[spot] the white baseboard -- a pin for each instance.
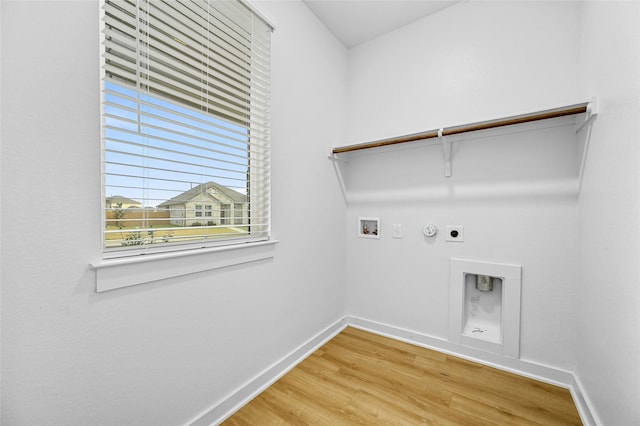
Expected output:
(245, 393)
(518, 366)
(585, 408)
(563, 378)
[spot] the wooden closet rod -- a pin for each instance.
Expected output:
(483, 125)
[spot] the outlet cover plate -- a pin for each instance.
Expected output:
(460, 233)
(397, 230)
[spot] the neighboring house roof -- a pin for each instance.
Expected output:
(204, 188)
(116, 199)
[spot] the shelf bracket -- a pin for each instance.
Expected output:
(446, 148)
(336, 166)
(593, 109)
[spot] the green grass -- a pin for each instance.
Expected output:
(160, 233)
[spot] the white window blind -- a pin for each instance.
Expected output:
(185, 119)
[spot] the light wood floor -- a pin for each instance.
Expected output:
(363, 378)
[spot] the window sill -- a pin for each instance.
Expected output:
(125, 272)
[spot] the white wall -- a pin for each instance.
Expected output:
(159, 353)
(608, 350)
(513, 192)
(470, 62)
(163, 353)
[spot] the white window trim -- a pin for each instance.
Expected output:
(179, 249)
(122, 272)
(117, 273)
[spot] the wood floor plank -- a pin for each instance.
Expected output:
(363, 378)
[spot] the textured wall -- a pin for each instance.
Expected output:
(608, 350)
(513, 190)
(162, 353)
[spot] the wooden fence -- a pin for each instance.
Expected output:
(132, 218)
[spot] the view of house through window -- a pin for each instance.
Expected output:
(163, 188)
(185, 124)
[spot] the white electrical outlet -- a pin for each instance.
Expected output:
(455, 233)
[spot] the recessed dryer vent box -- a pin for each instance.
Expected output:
(369, 227)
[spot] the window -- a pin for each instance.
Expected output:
(185, 120)
(237, 214)
(224, 213)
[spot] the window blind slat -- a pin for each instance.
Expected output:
(207, 68)
(210, 99)
(215, 128)
(144, 170)
(172, 147)
(174, 162)
(175, 155)
(178, 39)
(236, 49)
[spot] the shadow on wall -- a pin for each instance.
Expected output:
(533, 160)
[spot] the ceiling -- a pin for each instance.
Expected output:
(356, 21)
